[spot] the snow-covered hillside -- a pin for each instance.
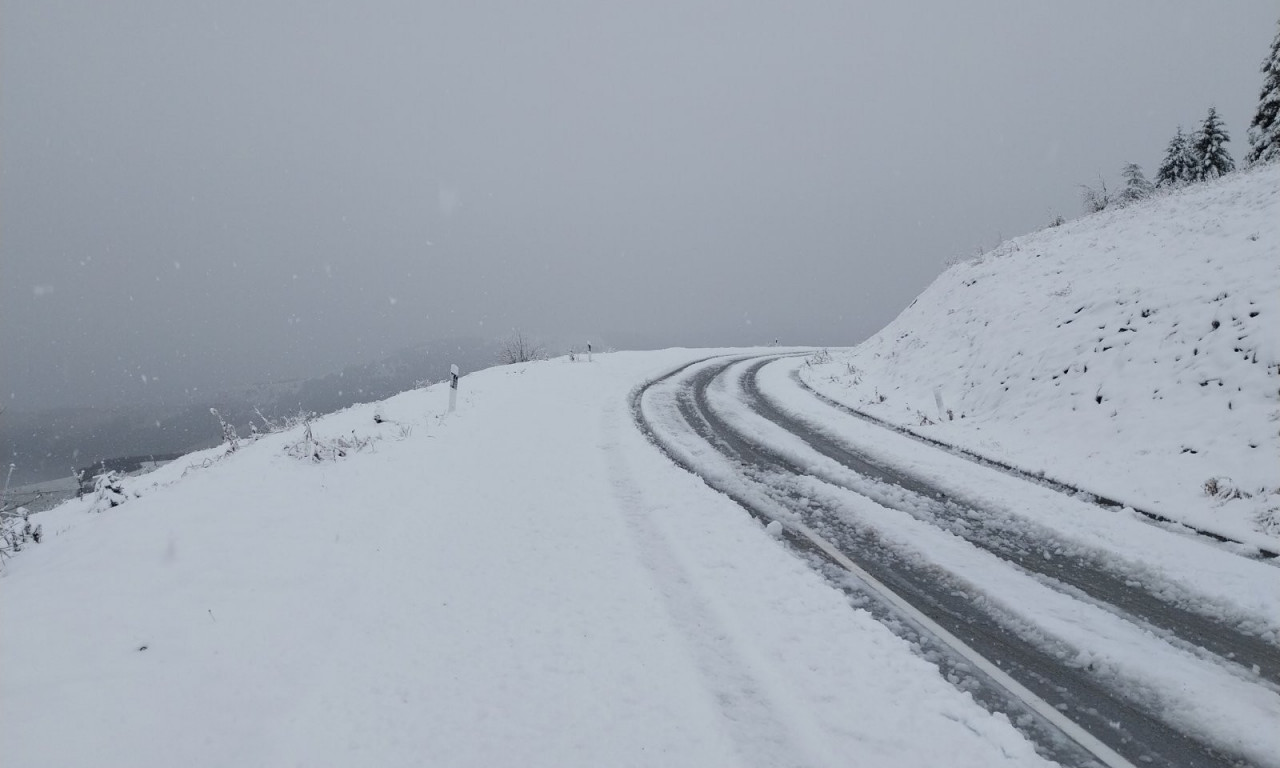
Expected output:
(1134, 353)
(529, 579)
(526, 580)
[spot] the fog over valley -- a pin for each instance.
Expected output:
(199, 198)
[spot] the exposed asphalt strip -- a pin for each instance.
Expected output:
(1089, 725)
(1049, 739)
(1048, 482)
(1090, 575)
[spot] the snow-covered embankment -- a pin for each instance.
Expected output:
(1134, 353)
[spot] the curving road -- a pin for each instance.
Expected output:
(713, 419)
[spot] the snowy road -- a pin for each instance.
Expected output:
(524, 577)
(1099, 619)
(528, 576)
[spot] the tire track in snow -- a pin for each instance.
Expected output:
(1049, 739)
(1064, 488)
(1134, 733)
(1106, 587)
(758, 732)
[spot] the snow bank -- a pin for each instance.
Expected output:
(1134, 353)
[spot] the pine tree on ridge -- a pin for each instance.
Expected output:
(1208, 148)
(1264, 130)
(1177, 165)
(1136, 185)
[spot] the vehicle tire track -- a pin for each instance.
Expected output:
(1091, 576)
(1131, 732)
(1061, 487)
(758, 731)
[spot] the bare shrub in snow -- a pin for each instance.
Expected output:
(1224, 488)
(308, 446)
(403, 431)
(1269, 521)
(287, 423)
(818, 358)
(1095, 198)
(270, 425)
(519, 348)
(228, 431)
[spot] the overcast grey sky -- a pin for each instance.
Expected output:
(199, 193)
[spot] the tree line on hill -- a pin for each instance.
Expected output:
(1202, 155)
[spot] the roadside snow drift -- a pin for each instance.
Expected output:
(1134, 353)
(525, 581)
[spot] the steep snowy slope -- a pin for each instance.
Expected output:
(1134, 353)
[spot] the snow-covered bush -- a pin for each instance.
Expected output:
(1136, 185)
(16, 530)
(820, 357)
(1224, 488)
(1269, 520)
(108, 491)
(308, 446)
(1096, 198)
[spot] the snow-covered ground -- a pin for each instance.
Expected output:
(529, 579)
(1192, 570)
(524, 580)
(1134, 353)
(1194, 691)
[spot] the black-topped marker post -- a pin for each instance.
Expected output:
(453, 387)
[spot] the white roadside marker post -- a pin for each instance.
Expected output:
(937, 398)
(453, 387)
(588, 351)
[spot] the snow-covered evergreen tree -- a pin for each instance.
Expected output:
(1209, 150)
(108, 490)
(1264, 131)
(1136, 185)
(1177, 165)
